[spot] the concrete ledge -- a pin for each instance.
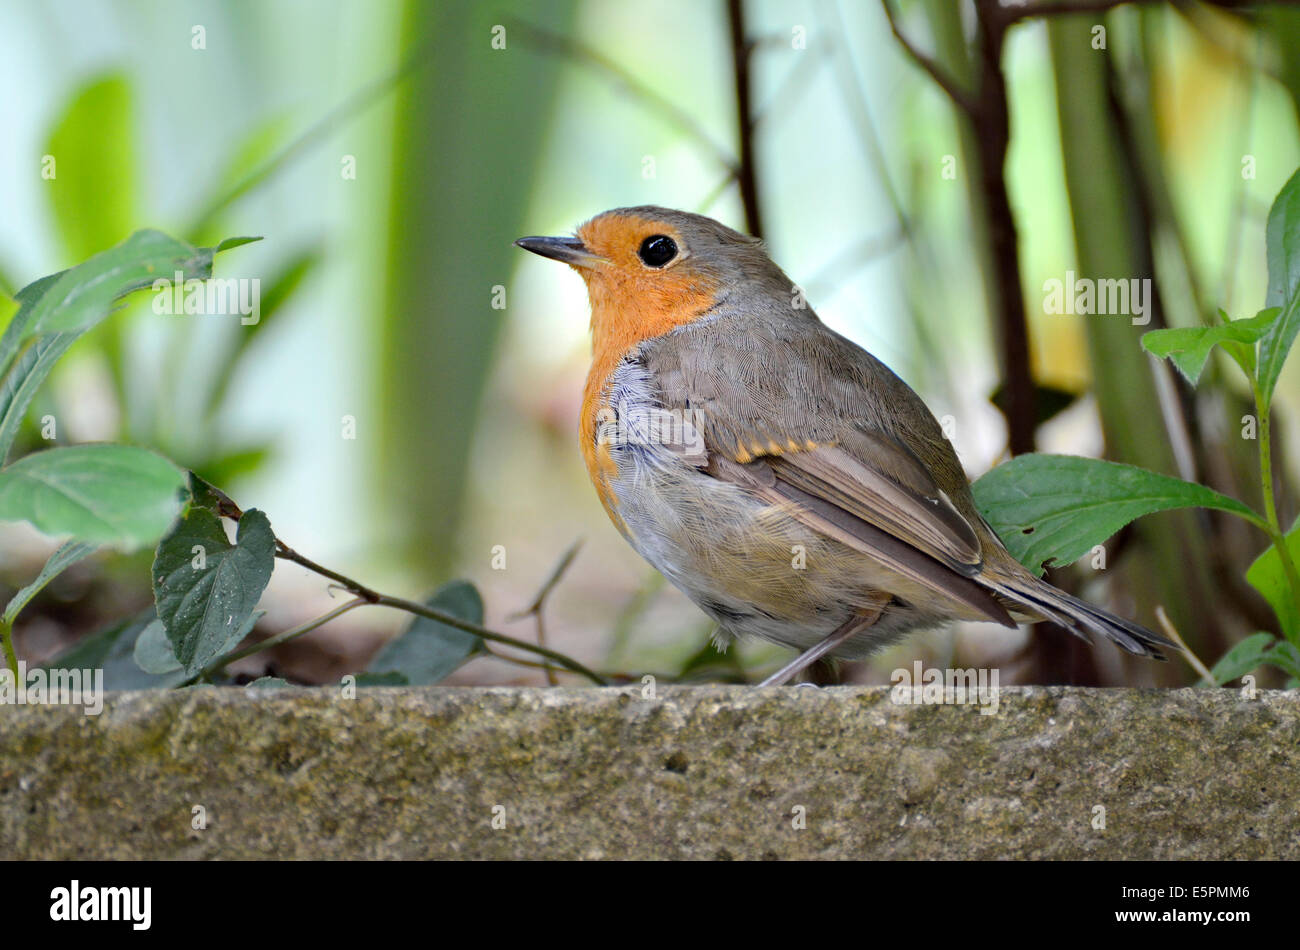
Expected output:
(714, 772)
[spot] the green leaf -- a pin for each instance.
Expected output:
(153, 652)
(68, 554)
(206, 588)
(19, 388)
(270, 682)
(1053, 509)
(231, 465)
(1285, 657)
(1189, 347)
(1241, 659)
(92, 193)
(382, 679)
(112, 650)
(429, 651)
(1283, 243)
(83, 295)
(100, 494)
(204, 494)
(16, 329)
(55, 310)
(1267, 576)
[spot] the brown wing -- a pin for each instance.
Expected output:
(766, 478)
(797, 413)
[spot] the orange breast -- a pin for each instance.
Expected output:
(627, 310)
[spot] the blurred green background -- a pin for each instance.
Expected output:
(389, 152)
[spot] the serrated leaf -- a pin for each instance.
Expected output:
(1189, 347)
(1268, 577)
(1242, 658)
(1053, 509)
(100, 494)
(429, 651)
(67, 555)
(1282, 238)
(204, 597)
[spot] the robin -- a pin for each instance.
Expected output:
(778, 474)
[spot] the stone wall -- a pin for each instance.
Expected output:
(713, 772)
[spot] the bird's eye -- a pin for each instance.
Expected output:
(657, 250)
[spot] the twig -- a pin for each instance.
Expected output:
(715, 193)
(7, 644)
(451, 620)
(1014, 13)
(794, 83)
(535, 608)
(354, 104)
(740, 56)
(1171, 631)
(370, 596)
(283, 637)
(964, 100)
(287, 553)
(581, 53)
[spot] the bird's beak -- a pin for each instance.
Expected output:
(567, 250)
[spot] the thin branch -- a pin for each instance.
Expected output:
(539, 602)
(1015, 12)
(794, 83)
(581, 53)
(1171, 631)
(963, 100)
(316, 133)
(287, 553)
(283, 637)
(715, 193)
(452, 620)
(10, 658)
(740, 67)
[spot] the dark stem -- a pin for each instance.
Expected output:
(993, 135)
(740, 62)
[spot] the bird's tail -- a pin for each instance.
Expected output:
(1079, 616)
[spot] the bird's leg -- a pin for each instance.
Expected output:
(860, 620)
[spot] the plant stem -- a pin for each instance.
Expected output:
(370, 596)
(1270, 505)
(451, 620)
(7, 642)
(286, 635)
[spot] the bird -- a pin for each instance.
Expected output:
(782, 477)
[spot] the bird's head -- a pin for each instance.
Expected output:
(649, 269)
